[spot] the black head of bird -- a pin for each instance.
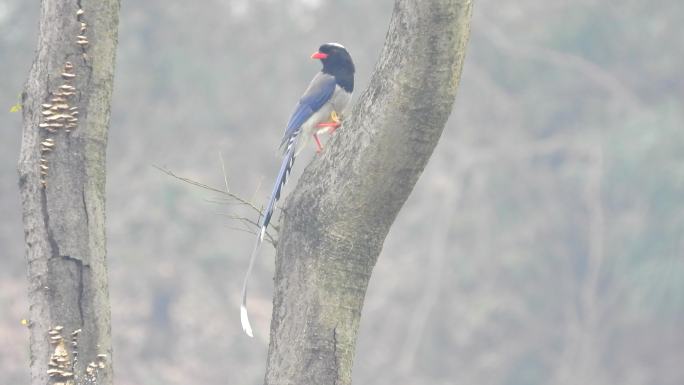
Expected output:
(338, 63)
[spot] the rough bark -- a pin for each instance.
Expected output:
(62, 183)
(336, 220)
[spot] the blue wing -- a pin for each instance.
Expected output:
(318, 93)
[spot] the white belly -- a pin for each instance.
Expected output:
(340, 103)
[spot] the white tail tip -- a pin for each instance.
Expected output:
(244, 320)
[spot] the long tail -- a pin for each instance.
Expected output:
(285, 168)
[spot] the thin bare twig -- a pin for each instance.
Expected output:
(230, 196)
(269, 237)
(272, 241)
(257, 188)
(242, 230)
(207, 187)
(223, 202)
(223, 169)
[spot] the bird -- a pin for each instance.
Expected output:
(321, 109)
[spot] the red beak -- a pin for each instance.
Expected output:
(319, 55)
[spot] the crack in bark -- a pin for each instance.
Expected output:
(80, 266)
(335, 361)
(81, 288)
(85, 208)
(54, 247)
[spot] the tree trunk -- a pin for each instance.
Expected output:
(336, 220)
(62, 181)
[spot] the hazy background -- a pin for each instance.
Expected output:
(544, 243)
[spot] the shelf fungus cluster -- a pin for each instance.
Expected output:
(57, 114)
(81, 38)
(93, 367)
(62, 363)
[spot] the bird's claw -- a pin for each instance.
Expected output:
(334, 117)
(334, 122)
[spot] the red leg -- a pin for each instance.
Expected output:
(334, 126)
(328, 124)
(334, 122)
(319, 148)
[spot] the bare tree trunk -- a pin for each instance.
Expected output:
(336, 220)
(62, 181)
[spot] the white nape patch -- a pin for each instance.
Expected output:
(336, 45)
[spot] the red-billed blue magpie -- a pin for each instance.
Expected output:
(319, 110)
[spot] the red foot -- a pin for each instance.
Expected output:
(319, 148)
(334, 126)
(328, 124)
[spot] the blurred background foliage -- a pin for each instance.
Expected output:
(544, 243)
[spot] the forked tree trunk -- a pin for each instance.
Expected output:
(337, 218)
(62, 181)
